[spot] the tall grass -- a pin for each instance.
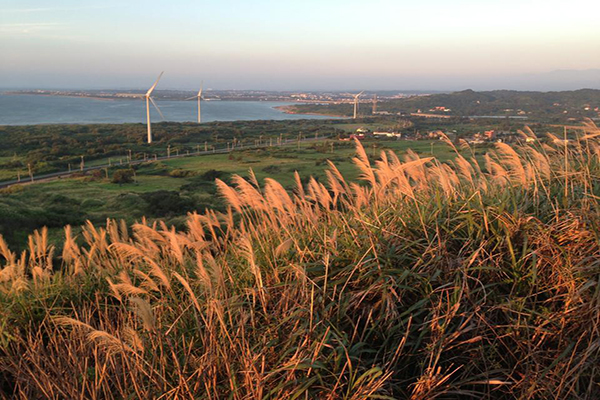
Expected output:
(426, 280)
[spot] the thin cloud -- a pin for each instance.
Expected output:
(31, 24)
(50, 9)
(30, 27)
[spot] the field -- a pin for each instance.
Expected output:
(468, 276)
(95, 198)
(51, 148)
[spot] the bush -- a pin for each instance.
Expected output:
(181, 173)
(98, 174)
(165, 203)
(213, 174)
(122, 176)
(272, 169)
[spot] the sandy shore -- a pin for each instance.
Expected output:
(288, 109)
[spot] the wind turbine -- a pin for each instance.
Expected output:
(356, 104)
(199, 97)
(151, 100)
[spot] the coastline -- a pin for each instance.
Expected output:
(287, 109)
(69, 96)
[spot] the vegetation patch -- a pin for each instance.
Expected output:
(431, 279)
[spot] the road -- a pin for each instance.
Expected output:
(57, 175)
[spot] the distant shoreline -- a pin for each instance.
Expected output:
(139, 96)
(70, 96)
(287, 109)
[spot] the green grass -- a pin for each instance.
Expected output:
(98, 199)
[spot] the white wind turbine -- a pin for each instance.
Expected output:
(199, 97)
(356, 103)
(148, 101)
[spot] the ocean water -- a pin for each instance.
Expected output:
(35, 109)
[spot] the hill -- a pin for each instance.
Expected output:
(428, 280)
(547, 106)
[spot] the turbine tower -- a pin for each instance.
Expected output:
(151, 100)
(356, 104)
(374, 104)
(199, 97)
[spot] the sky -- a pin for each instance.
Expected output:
(301, 45)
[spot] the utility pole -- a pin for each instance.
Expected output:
(82, 164)
(169, 151)
(18, 176)
(374, 103)
(69, 167)
(30, 173)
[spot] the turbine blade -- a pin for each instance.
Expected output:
(191, 98)
(149, 92)
(157, 109)
(200, 92)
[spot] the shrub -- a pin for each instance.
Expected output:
(272, 169)
(213, 174)
(181, 173)
(122, 176)
(166, 203)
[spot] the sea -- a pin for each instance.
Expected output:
(22, 109)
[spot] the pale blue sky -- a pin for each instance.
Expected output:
(377, 44)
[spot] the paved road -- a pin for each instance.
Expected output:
(55, 175)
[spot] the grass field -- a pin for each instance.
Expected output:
(471, 279)
(96, 199)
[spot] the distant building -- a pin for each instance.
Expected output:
(440, 108)
(489, 135)
(388, 134)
